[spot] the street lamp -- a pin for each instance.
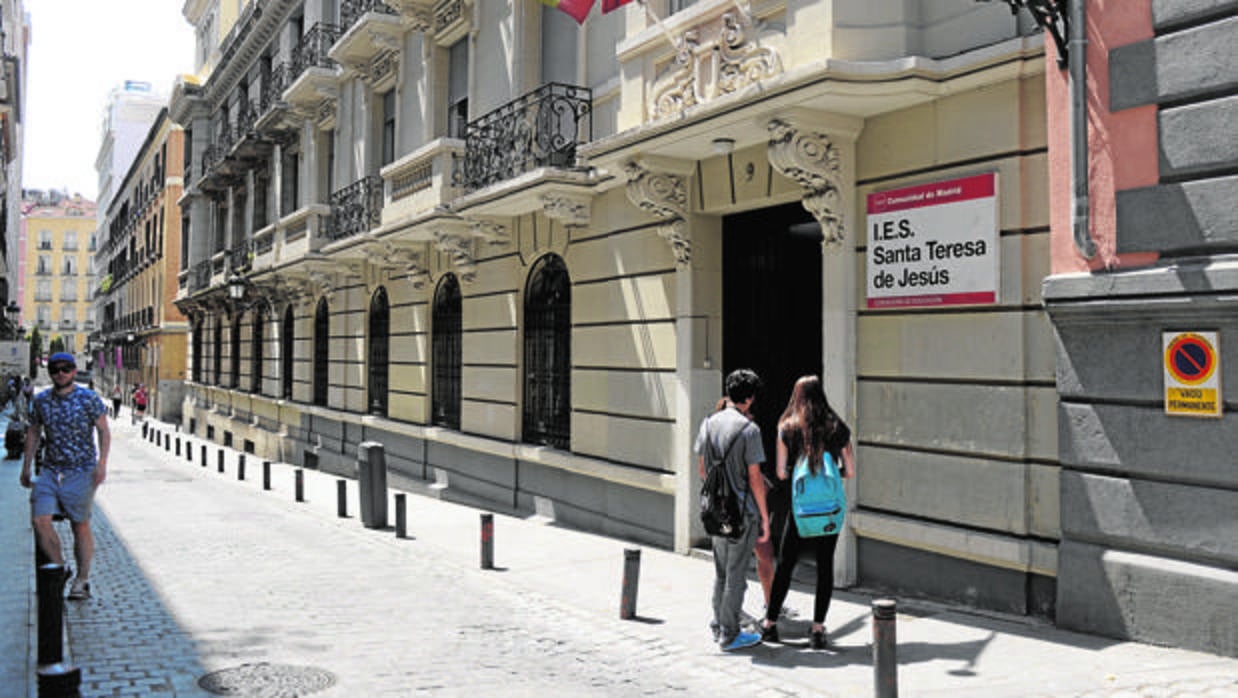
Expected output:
(236, 287)
(12, 313)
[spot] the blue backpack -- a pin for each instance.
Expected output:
(818, 501)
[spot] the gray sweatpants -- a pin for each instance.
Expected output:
(731, 559)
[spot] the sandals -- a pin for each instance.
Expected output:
(80, 591)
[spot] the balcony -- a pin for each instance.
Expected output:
(540, 129)
(241, 255)
(312, 73)
(200, 276)
(370, 28)
(271, 105)
(356, 208)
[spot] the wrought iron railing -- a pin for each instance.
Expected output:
(356, 208)
(539, 129)
(239, 254)
(200, 276)
(352, 10)
(246, 115)
(271, 90)
(312, 50)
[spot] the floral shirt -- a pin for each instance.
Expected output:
(68, 424)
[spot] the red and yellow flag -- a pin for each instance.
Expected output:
(610, 5)
(576, 9)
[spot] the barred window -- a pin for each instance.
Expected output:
(236, 352)
(255, 353)
(380, 339)
(198, 327)
(322, 344)
(446, 349)
(218, 358)
(285, 355)
(547, 354)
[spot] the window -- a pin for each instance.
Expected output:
(285, 355)
(70, 266)
(236, 352)
(45, 239)
(197, 351)
(380, 339)
(44, 315)
(44, 265)
(184, 243)
(387, 142)
(547, 354)
(674, 6)
(217, 359)
(289, 164)
(68, 315)
(322, 345)
(43, 290)
(559, 40)
(255, 354)
(261, 187)
(458, 88)
(446, 350)
(68, 290)
(70, 240)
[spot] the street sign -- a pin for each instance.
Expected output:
(1192, 373)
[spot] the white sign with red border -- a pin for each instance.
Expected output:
(934, 244)
(1192, 373)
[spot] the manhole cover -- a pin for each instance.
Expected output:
(263, 680)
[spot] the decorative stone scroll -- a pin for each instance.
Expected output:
(664, 196)
(811, 159)
(412, 261)
(572, 211)
(458, 246)
(739, 61)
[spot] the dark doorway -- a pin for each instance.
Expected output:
(771, 304)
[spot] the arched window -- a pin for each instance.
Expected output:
(198, 327)
(548, 354)
(445, 324)
(322, 344)
(285, 355)
(236, 352)
(380, 339)
(218, 358)
(255, 353)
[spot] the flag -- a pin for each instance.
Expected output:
(611, 5)
(576, 9)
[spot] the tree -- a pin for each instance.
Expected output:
(56, 345)
(36, 351)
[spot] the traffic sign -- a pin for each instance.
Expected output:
(1192, 373)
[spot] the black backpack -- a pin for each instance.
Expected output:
(721, 511)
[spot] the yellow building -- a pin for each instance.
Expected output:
(55, 286)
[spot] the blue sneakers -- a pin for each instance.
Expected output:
(741, 641)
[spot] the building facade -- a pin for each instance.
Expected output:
(523, 254)
(58, 238)
(142, 335)
(1143, 307)
(14, 41)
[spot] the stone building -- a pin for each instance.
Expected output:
(1142, 301)
(14, 42)
(523, 253)
(142, 335)
(57, 240)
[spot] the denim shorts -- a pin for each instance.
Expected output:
(73, 491)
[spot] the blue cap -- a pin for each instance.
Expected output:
(62, 357)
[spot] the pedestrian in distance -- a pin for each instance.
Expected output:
(807, 431)
(117, 397)
(139, 401)
(733, 441)
(65, 418)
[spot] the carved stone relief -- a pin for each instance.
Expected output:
(665, 196)
(572, 211)
(811, 159)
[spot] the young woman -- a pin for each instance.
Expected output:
(808, 428)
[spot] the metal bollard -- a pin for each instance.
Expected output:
(167, 443)
(240, 467)
(401, 528)
(221, 460)
(145, 428)
(266, 475)
(203, 455)
(59, 681)
(341, 498)
(885, 649)
(487, 541)
(178, 447)
(50, 585)
(188, 451)
(300, 485)
(631, 582)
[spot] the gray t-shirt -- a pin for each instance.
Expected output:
(722, 427)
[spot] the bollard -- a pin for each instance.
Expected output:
(178, 447)
(188, 451)
(50, 586)
(203, 455)
(487, 541)
(300, 485)
(372, 484)
(59, 681)
(240, 467)
(266, 475)
(631, 581)
(885, 649)
(221, 460)
(341, 498)
(145, 427)
(167, 443)
(401, 528)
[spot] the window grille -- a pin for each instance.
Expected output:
(547, 354)
(236, 352)
(380, 340)
(255, 353)
(446, 347)
(285, 355)
(322, 344)
(197, 352)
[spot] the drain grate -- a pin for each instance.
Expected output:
(264, 680)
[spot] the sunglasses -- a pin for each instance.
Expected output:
(62, 368)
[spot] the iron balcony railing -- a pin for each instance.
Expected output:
(312, 50)
(271, 90)
(352, 10)
(356, 208)
(201, 276)
(540, 129)
(239, 254)
(246, 115)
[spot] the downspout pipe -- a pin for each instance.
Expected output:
(1077, 54)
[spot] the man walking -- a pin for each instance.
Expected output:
(731, 437)
(67, 415)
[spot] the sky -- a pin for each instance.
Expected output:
(79, 50)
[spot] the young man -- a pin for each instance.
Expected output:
(69, 416)
(732, 434)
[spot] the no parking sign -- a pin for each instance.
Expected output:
(1192, 373)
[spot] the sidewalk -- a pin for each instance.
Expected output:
(17, 640)
(199, 572)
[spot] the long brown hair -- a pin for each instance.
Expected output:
(809, 422)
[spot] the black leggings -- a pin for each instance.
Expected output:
(788, 555)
